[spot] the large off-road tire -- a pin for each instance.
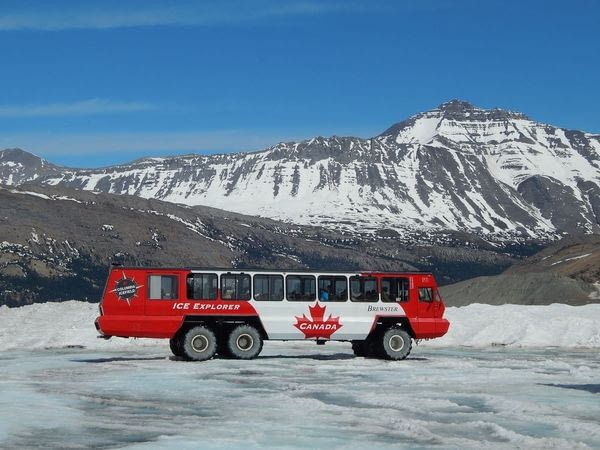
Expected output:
(176, 347)
(199, 343)
(359, 348)
(395, 344)
(244, 342)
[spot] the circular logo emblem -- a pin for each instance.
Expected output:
(126, 288)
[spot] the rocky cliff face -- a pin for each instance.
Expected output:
(494, 173)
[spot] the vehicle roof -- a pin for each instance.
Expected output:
(253, 269)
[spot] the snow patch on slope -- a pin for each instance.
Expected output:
(422, 132)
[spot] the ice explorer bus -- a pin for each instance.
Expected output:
(204, 312)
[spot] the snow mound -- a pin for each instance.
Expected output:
(555, 325)
(60, 325)
(56, 325)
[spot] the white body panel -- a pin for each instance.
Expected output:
(354, 319)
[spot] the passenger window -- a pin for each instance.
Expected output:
(426, 294)
(202, 286)
(268, 288)
(162, 287)
(333, 289)
(235, 287)
(363, 289)
(301, 288)
(394, 289)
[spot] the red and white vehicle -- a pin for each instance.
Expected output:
(231, 312)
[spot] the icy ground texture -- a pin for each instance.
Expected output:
(297, 395)
(56, 325)
(133, 394)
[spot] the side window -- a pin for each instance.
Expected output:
(333, 289)
(363, 289)
(235, 287)
(301, 288)
(394, 289)
(163, 287)
(201, 286)
(425, 294)
(403, 289)
(268, 288)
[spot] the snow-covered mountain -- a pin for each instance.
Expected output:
(18, 166)
(458, 167)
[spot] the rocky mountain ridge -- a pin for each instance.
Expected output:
(57, 244)
(488, 172)
(567, 271)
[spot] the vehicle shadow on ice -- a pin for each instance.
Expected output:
(118, 359)
(337, 356)
(331, 357)
(317, 357)
(334, 356)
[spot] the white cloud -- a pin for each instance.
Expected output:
(88, 107)
(152, 13)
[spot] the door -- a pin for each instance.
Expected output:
(428, 310)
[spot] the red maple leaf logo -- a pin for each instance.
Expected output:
(317, 327)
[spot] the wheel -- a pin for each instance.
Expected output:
(395, 344)
(359, 348)
(244, 342)
(199, 343)
(175, 344)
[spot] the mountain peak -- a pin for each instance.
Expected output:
(19, 166)
(8, 152)
(456, 110)
(461, 110)
(456, 105)
(18, 155)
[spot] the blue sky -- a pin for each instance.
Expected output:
(95, 83)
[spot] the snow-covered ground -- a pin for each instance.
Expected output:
(133, 394)
(555, 325)
(56, 325)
